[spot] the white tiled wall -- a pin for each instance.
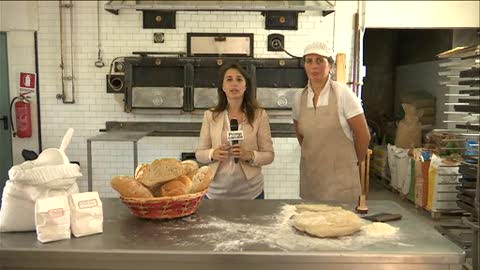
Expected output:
(122, 34)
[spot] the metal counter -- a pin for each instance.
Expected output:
(233, 235)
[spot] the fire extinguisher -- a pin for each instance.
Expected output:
(23, 117)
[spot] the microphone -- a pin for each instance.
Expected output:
(234, 127)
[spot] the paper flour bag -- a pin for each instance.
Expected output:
(52, 219)
(86, 216)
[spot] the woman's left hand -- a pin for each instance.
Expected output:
(238, 152)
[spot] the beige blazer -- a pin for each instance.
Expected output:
(257, 138)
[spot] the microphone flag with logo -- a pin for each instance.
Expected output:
(234, 135)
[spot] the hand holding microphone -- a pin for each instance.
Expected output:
(234, 135)
(221, 153)
(239, 153)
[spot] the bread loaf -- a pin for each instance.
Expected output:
(190, 166)
(187, 182)
(161, 171)
(173, 188)
(140, 170)
(129, 187)
(202, 178)
(157, 192)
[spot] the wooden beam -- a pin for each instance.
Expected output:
(341, 68)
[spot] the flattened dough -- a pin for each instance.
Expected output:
(333, 223)
(316, 207)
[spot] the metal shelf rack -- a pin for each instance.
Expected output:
(461, 75)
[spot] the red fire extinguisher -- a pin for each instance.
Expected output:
(23, 117)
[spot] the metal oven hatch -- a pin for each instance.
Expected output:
(220, 44)
(157, 97)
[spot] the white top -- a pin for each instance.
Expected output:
(349, 105)
(230, 181)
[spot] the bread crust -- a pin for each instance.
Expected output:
(179, 186)
(187, 182)
(129, 187)
(202, 178)
(190, 166)
(140, 170)
(161, 171)
(173, 188)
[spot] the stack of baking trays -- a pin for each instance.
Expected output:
(460, 74)
(467, 189)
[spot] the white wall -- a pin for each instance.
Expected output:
(18, 15)
(422, 14)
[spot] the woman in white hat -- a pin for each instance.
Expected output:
(332, 132)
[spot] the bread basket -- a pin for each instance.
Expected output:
(164, 207)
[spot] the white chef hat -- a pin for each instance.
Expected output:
(320, 48)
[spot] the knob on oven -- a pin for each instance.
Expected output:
(282, 101)
(119, 67)
(116, 84)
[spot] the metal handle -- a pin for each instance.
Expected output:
(5, 122)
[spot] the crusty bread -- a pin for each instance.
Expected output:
(202, 178)
(190, 166)
(161, 171)
(157, 192)
(129, 187)
(140, 170)
(173, 188)
(187, 182)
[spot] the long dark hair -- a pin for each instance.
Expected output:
(249, 103)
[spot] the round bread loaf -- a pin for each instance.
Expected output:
(187, 182)
(172, 188)
(190, 166)
(161, 171)
(202, 178)
(157, 192)
(129, 187)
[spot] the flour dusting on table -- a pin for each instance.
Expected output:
(279, 234)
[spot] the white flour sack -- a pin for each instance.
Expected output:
(27, 184)
(86, 213)
(52, 219)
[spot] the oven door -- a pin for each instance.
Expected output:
(277, 98)
(157, 97)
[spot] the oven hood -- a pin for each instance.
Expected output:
(326, 7)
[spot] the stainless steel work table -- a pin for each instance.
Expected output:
(232, 235)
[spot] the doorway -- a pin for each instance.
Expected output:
(5, 137)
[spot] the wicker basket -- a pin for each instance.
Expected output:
(164, 207)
